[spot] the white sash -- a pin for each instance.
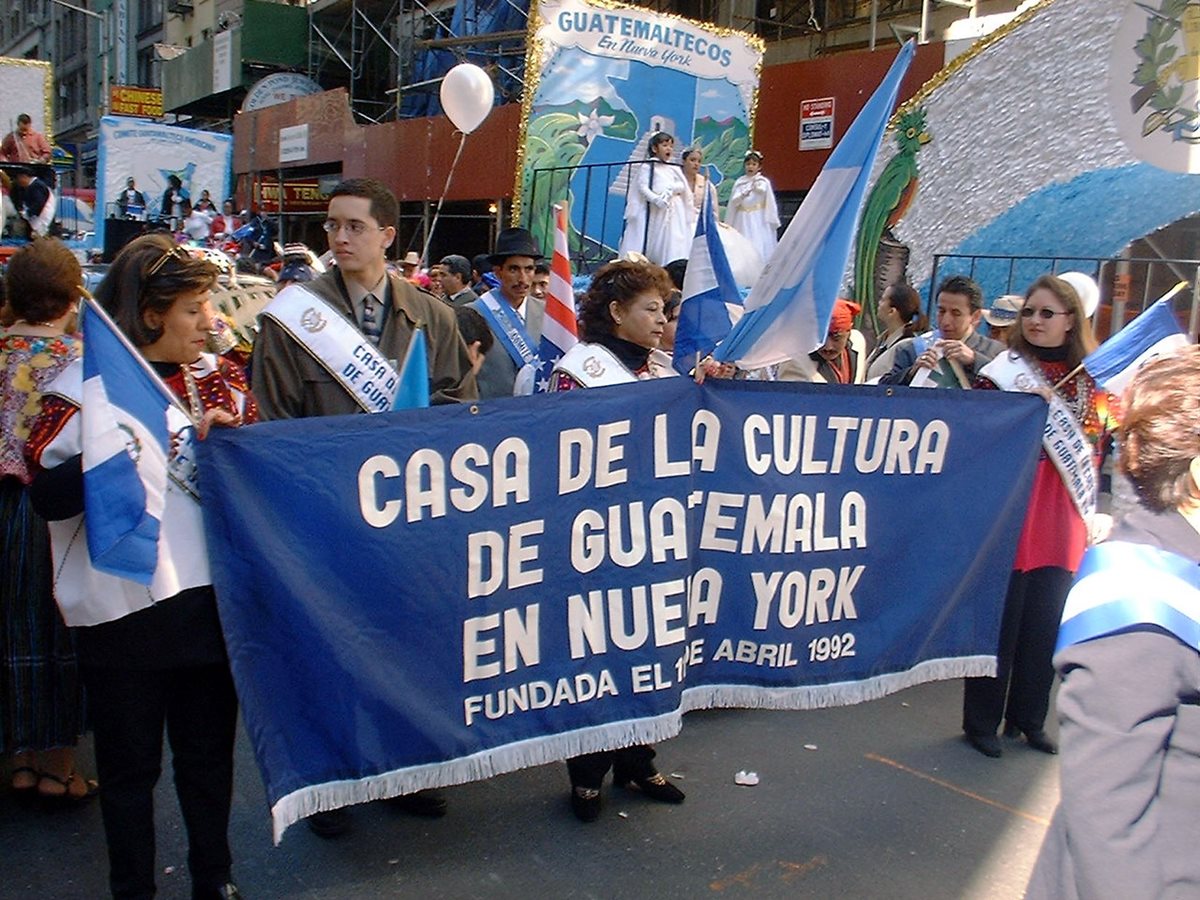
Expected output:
(341, 349)
(1064, 438)
(594, 365)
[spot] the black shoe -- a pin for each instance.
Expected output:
(1041, 742)
(228, 891)
(656, 787)
(585, 803)
(427, 804)
(329, 824)
(987, 744)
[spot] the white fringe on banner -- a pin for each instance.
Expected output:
(538, 751)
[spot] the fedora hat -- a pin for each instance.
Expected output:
(411, 259)
(1004, 310)
(514, 242)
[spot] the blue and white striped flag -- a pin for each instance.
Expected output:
(709, 290)
(1155, 332)
(788, 311)
(125, 451)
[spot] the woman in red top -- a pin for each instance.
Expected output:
(1053, 338)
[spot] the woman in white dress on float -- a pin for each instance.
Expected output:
(658, 206)
(693, 159)
(752, 210)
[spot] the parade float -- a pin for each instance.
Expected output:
(1051, 144)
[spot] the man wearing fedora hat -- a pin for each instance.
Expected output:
(512, 313)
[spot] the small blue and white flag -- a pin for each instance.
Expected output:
(788, 311)
(710, 294)
(1155, 332)
(125, 450)
(413, 392)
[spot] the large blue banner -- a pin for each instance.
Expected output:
(432, 597)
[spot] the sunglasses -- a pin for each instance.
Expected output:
(1045, 312)
(177, 252)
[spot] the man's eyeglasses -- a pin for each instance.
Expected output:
(354, 226)
(1045, 312)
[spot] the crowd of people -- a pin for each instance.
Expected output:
(82, 646)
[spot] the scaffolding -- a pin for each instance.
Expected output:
(391, 55)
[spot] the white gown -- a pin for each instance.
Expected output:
(669, 236)
(753, 213)
(697, 197)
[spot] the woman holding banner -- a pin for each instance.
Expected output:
(152, 655)
(621, 323)
(1044, 357)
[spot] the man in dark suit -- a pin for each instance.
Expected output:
(512, 313)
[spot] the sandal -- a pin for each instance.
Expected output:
(67, 799)
(27, 792)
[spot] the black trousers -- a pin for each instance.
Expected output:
(1020, 694)
(588, 771)
(198, 706)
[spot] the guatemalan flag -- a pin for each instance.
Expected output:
(1154, 333)
(125, 449)
(788, 310)
(559, 329)
(413, 392)
(709, 292)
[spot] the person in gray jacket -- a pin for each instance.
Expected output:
(1129, 655)
(512, 313)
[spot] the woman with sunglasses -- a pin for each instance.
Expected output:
(1044, 357)
(152, 656)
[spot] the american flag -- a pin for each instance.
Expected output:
(559, 330)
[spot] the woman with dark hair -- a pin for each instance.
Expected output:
(171, 206)
(1044, 358)
(657, 219)
(1129, 656)
(41, 714)
(152, 656)
(621, 322)
(899, 313)
(693, 159)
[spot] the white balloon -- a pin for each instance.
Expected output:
(1087, 289)
(467, 95)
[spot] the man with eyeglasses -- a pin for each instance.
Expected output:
(959, 309)
(358, 314)
(303, 350)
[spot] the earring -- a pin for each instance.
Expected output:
(617, 321)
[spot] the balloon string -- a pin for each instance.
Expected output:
(442, 199)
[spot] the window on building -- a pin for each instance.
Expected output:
(147, 71)
(150, 15)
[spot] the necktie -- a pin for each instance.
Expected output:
(370, 323)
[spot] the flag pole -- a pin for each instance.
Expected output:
(142, 361)
(1165, 297)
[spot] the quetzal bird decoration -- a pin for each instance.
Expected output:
(886, 205)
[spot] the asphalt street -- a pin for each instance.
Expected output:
(879, 800)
